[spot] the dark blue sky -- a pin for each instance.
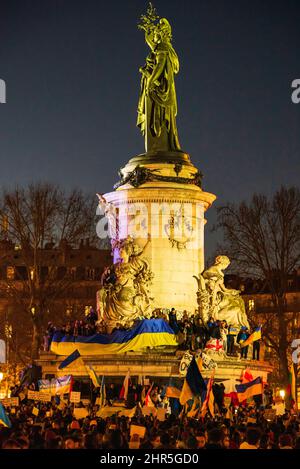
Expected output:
(71, 68)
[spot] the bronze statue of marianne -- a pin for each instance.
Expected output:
(157, 108)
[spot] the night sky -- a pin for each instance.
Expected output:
(71, 69)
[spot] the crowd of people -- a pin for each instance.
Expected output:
(191, 332)
(246, 426)
(55, 427)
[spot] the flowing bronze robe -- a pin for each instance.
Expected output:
(157, 108)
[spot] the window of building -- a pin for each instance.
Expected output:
(90, 273)
(72, 272)
(251, 305)
(10, 272)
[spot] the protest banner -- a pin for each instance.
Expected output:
(80, 412)
(137, 430)
(185, 363)
(33, 395)
(75, 397)
(44, 396)
(10, 401)
(127, 413)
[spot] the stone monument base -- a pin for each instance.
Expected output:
(152, 364)
(160, 196)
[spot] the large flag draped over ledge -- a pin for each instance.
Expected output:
(148, 333)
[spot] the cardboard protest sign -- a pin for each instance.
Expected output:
(137, 430)
(107, 412)
(185, 363)
(44, 396)
(10, 401)
(127, 412)
(35, 411)
(80, 413)
(161, 414)
(134, 445)
(75, 397)
(34, 395)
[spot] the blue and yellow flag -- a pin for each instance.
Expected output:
(4, 420)
(74, 357)
(193, 384)
(246, 390)
(148, 333)
(102, 395)
(92, 374)
(256, 335)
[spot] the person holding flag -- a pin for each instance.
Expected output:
(125, 386)
(194, 383)
(256, 337)
(242, 339)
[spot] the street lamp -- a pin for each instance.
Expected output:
(282, 393)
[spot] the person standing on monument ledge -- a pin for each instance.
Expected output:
(242, 336)
(232, 332)
(173, 321)
(256, 348)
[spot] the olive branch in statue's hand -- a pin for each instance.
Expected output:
(147, 21)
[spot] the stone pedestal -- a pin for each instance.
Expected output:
(160, 195)
(150, 364)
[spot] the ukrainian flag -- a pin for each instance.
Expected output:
(147, 333)
(102, 396)
(4, 420)
(256, 335)
(193, 384)
(74, 357)
(93, 375)
(246, 390)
